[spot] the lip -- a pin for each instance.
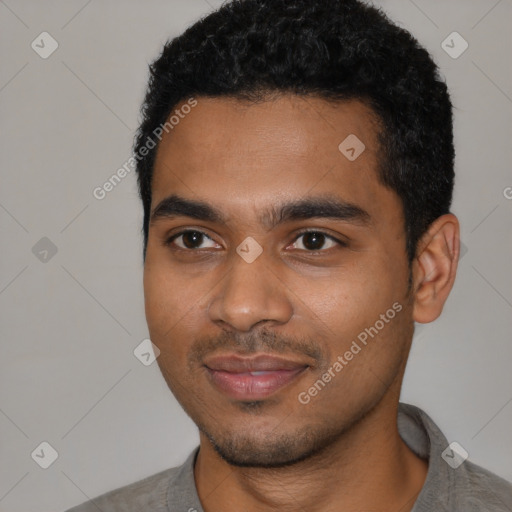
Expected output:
(235, 375)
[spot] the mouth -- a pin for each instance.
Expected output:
(252, 378)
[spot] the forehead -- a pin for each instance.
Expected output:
(235, 153)
(299, 124)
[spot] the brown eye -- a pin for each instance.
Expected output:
(316, 241)
(190, 239)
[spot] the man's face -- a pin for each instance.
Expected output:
(213, 310)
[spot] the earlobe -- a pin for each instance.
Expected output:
(435, 267)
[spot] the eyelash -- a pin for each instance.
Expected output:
(170, 240)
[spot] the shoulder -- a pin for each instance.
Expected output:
(149, 493)
(463, 486)
(482, 490)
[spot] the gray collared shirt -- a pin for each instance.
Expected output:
(448, 487)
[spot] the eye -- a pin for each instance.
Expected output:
(190, 240)
(313, 240)
(316, 241)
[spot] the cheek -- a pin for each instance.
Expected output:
(164, 305)
(351, 292)
(168, 298)
(352, 300)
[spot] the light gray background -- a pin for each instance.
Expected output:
(70, 325)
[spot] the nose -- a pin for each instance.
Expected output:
(250, 293)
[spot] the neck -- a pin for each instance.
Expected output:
(368, 468)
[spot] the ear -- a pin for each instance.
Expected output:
(435, 267)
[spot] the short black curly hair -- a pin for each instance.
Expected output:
(332, 49)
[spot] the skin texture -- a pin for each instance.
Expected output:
(306, 305)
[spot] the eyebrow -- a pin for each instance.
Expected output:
(328, 207)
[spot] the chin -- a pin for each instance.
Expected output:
(270, 451)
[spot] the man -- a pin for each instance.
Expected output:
(295, 164)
